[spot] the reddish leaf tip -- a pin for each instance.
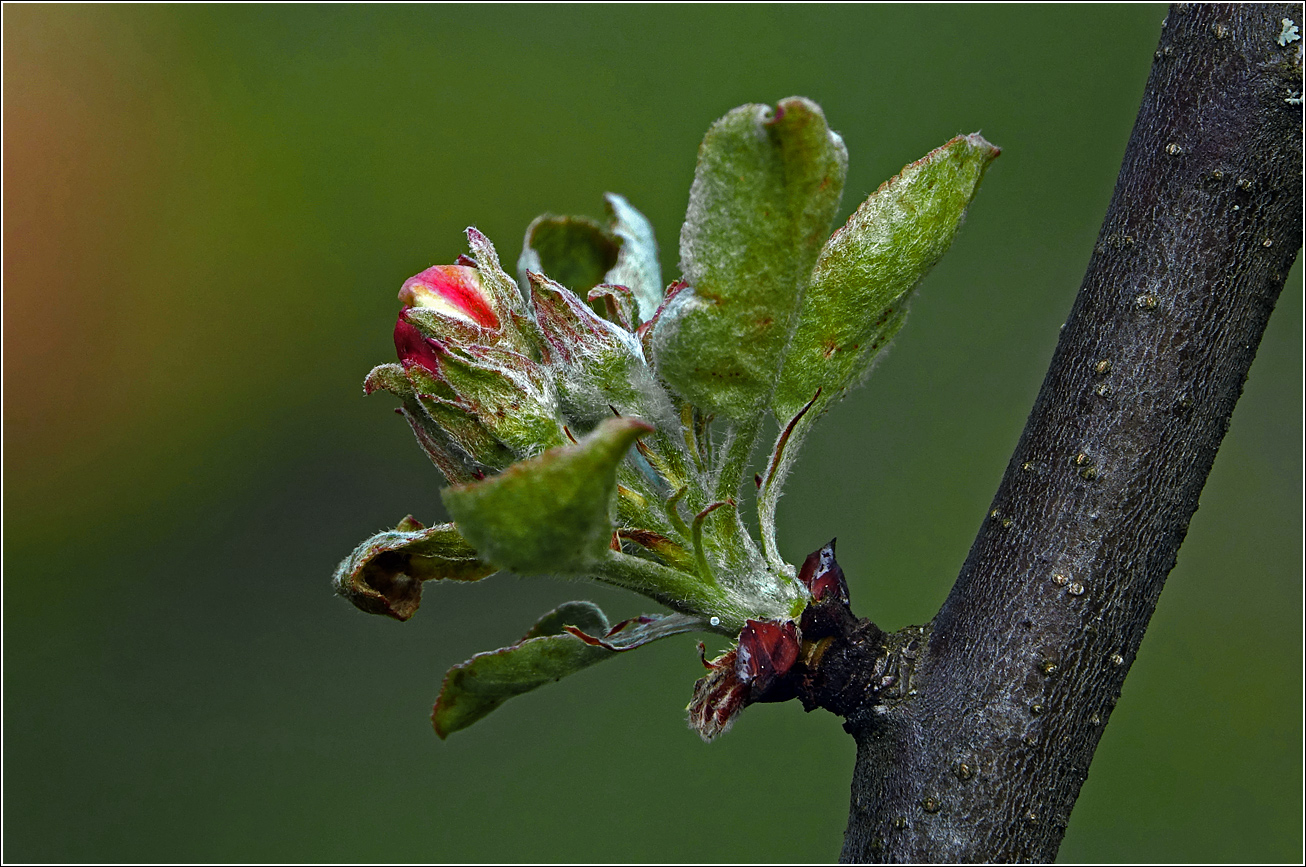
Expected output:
(822, 575)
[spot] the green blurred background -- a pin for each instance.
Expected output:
(207, 214)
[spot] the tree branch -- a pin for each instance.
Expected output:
(1011, 685)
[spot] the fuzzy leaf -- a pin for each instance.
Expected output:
(766, 189)
(474, 688)
(573, 636)
(410, 381)
(615, 303)
(580, 253)
(575, 251)
(598, 366)
(856, 300)
(585, 616)
(637, 262)
(384, 575)
(509, 395)
(553, 512)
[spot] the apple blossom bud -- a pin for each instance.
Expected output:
(454, 290)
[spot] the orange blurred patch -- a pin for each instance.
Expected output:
(78, 160)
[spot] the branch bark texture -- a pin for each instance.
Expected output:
(983, 756)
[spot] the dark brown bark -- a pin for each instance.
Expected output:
(980, 753)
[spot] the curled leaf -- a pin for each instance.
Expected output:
(575, 251)
(408, 381)
(384, 575)
(580, 253)
(638, 631)
(615, 303)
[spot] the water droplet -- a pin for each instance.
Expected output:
(900, 822)
(1117, 659)
(1173, 149)
(930, 805)
(715, 621)
(1031, 817)
(1146, 301)
(1036, 709)
(1219, 29)
(964, 771)
(1244, 185)
(1267, 243)
(1006, 523)
(1095, 719)
(1102, 367)
(1103, 390)
(1075, 589)
(1060, 580)
(995, 514)
(1027, 466)
(1048, 667)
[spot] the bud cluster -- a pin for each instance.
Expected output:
(593, 422)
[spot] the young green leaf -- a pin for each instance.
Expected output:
(766, 189)
(384, 575)
(637, 263)
(553, 512)
(547, 652)
(856, 299)
(598, 366)
(575, 251)
(573, 636)
(580, 253)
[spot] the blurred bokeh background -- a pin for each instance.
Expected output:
(207, 214)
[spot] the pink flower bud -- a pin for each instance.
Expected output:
(414, 348)
(454, 290)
